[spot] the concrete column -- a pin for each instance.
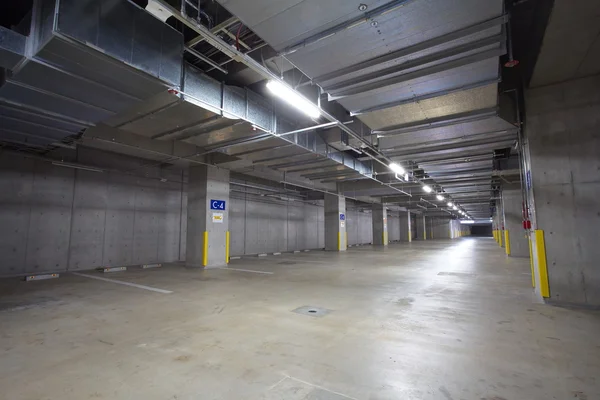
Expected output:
(422, 227)
(563, 183)
(409, 226)
(380, 225)
(512, 203)
(335, 223)
(499, 219)
(207, 229)
(404, 227)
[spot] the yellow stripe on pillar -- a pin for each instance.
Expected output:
(205, 249)
(540, 247)
(227, 247)
(531, 261)
(506, 242)
(339, 241)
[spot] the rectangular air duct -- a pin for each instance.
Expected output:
(87, 61)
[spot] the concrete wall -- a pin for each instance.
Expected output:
(403, 220)
(266, 225)
(359, 223)
(512, 206)
(260, 225)
(458, 230)
(394, 227)
(482, 230)
(563, 133)
(54, 219)
(438, 228)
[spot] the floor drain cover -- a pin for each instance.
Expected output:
(312, 311)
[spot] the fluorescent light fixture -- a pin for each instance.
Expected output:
(454, 208)
(397, 168)
(76, 166)
(440, 197)
(449, 204)
(427, 189)
(467, 222)
(294, 99)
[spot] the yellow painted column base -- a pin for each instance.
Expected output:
(227, 247)
(540, 247)
(205, 249)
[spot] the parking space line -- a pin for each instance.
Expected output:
(123, 283)
(247, 270)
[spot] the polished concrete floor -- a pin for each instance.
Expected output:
(444, 320)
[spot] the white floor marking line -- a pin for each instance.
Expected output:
(123, 283)
(320, 387)
(247, 270)
(277, 384)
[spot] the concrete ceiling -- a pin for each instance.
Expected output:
(571, 45)
(421, 74)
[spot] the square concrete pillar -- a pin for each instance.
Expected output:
(208, 217)
(422, 227)
(380, 225)
(335, 223)
(500, 222)
(512, 207)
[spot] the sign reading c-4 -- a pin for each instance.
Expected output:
(217, 204)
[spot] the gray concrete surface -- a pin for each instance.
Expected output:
(564, 145)
(54, 218)
(512, 201)
(335, 224)
(433, 320)
(380, 225)
(359, 225)
(207, 185)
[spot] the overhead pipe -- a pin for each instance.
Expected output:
(205, 59)
(239, 56)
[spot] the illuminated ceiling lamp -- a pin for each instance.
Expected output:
(397, 168)
(294, 99)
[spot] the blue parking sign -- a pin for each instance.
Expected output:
(342, 217)
(217, 205)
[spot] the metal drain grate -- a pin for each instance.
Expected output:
(312, 311)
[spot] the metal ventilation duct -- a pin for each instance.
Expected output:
(87, 61)
(230, 120)
(12, 48)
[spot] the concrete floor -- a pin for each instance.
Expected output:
(444, 320)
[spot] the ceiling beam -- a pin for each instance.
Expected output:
(439, 122)
(427, 44)
(370, 88)
(416, 63)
